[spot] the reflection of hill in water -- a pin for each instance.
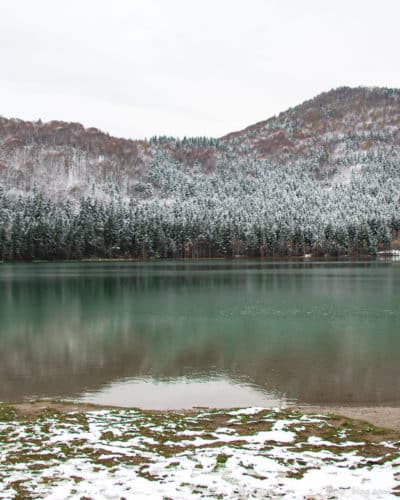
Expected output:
(321, 333)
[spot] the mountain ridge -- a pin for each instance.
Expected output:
(344, 110)
(322, 178)
(329, 130)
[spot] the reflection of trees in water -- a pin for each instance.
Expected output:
(63, 335)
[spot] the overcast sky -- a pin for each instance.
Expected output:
(183, 67)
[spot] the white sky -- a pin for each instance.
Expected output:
(137, 68)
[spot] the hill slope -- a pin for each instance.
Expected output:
(321, 178)
(333, 128)
(335, 131)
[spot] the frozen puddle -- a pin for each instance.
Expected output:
(247, 453)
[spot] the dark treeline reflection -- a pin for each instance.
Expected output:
(315, 332)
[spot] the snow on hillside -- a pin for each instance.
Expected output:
(321, 178)
(331, 132)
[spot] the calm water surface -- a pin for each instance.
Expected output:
(208, 333)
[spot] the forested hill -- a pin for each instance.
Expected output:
(340, 127)
(321, 178)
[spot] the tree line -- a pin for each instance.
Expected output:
(249, 210)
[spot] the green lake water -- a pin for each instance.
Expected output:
(205, 333)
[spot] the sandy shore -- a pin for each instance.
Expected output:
(381, 416)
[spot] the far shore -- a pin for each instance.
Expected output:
(305, 258)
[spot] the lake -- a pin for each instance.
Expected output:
(202, 333)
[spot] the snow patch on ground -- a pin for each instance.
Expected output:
(246, 453)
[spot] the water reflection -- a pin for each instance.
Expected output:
(182, 393)
(313, 332)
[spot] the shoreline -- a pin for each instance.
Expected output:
(381, 416)
(305, 257)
